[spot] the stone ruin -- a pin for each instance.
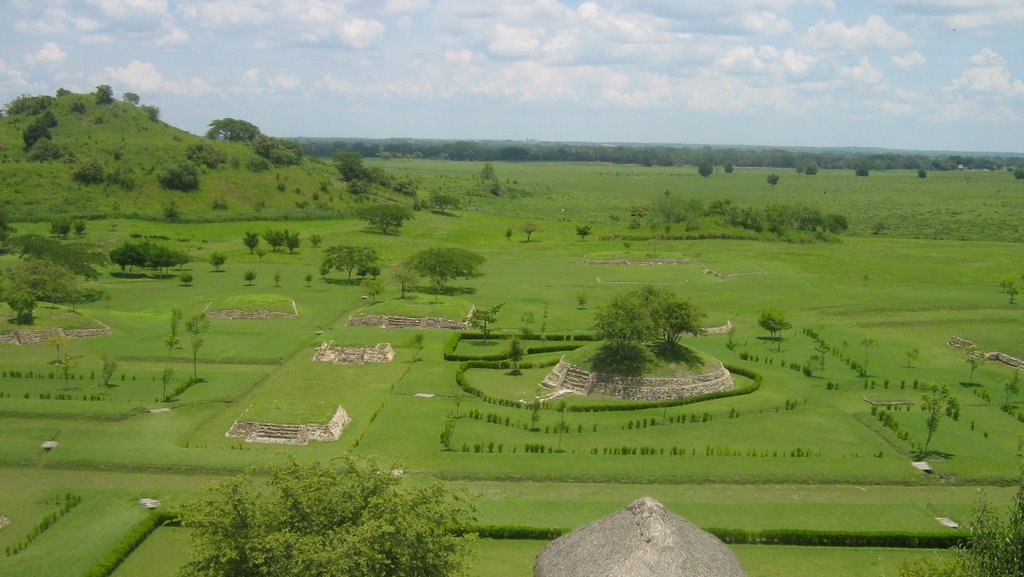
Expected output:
(32, 336)
(289, 434)
(567, 378)
(400, 322)
(1004, 358)
(259, 315)
(329, 353)
(627, 262)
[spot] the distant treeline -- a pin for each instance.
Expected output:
(655, 155)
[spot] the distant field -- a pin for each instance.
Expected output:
(804, 451)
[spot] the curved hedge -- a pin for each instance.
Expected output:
(460, 379)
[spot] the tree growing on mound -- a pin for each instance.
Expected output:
(233, 130)
(319, 521)
(646, 315)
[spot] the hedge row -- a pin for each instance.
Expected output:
(935, 540)
(132, 539)
(453, 344)
(460, 378)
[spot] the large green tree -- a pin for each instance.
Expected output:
(232, 129)
(36, 279)
(321, 521)
(441, 265)
(385, 217)
(350, 258)
(646, 315)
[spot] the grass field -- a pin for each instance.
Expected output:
(804, 451)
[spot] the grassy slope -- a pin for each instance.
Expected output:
(122, 136)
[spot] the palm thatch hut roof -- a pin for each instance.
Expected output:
(641, 540)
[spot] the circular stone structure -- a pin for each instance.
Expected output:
(566, 376)
(641, 540)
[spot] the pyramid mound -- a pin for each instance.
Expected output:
(641, 540)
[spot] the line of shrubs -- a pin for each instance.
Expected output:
(128, 543)
(67, 503)
(453, 344)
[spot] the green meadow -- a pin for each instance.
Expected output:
(813, 444)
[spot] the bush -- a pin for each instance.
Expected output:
(113, 558)
(89, 172)
(183, 176)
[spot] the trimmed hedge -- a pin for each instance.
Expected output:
(453, 344)
(514, 532)
(934, 540)
(132, 539)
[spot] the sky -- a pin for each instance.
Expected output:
(899, 74)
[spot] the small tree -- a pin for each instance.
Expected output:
(277, 278)
(217, 260)
(416, 344)
(1011, 388)
(515, 354)
(974, 360)
(483, 318)
(315, 240)
(774, 321)
(911, 355)
(508, 234)
(867, 343)
(1009, 287)
(251, 240)
(534, 414)
(583, 231)
(57, 341)
(581, 300)
(67, 363)
(186, 278)
(309, 280)
(404, 276)
(448, 431)
(921, 173)
(529, 228)
(772, 179)
(936, 401)
(171, 341)
(109, 367)
(705, 169)
(249, 276)
(373, 287)
(196, 326)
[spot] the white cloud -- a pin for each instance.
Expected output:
(226, 13)
(513, 41)
(359, 33)
(863, 72)
(966, 15)
(875, 32)
(173, 38)
(132, 9)
(766, 60)
(144, 77)
(405, 6)
(760, 23)
(909, 60)
(989, 76)
(285, 83)
(48, 54)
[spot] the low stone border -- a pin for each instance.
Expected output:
(232, 314)
(288, 434)
(400, 322)
(32, 336)
(626, 262)
(889, 403)
(1004, 358)
(720, 276)
(4, 521)
(328, 353)
(566, 376)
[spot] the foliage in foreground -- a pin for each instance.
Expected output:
(995, 547)
(317, 520)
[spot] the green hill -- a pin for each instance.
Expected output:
(105, 160)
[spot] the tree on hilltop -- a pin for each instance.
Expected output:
(233, 130)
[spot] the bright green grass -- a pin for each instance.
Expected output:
(420, 305)
(254, 302)
(47, 317)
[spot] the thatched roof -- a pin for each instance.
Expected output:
(642, 540)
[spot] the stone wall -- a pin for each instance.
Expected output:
(622, 261)
(567, 376)
(400, 322)
(327, 352)
(1005, 358)
(31, 336)
(288, 434)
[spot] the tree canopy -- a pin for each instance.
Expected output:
(385, 217)
(647, 314)
(233, 130)
(440, 265)
(350, 258)
(318, 521)
(36, 279)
